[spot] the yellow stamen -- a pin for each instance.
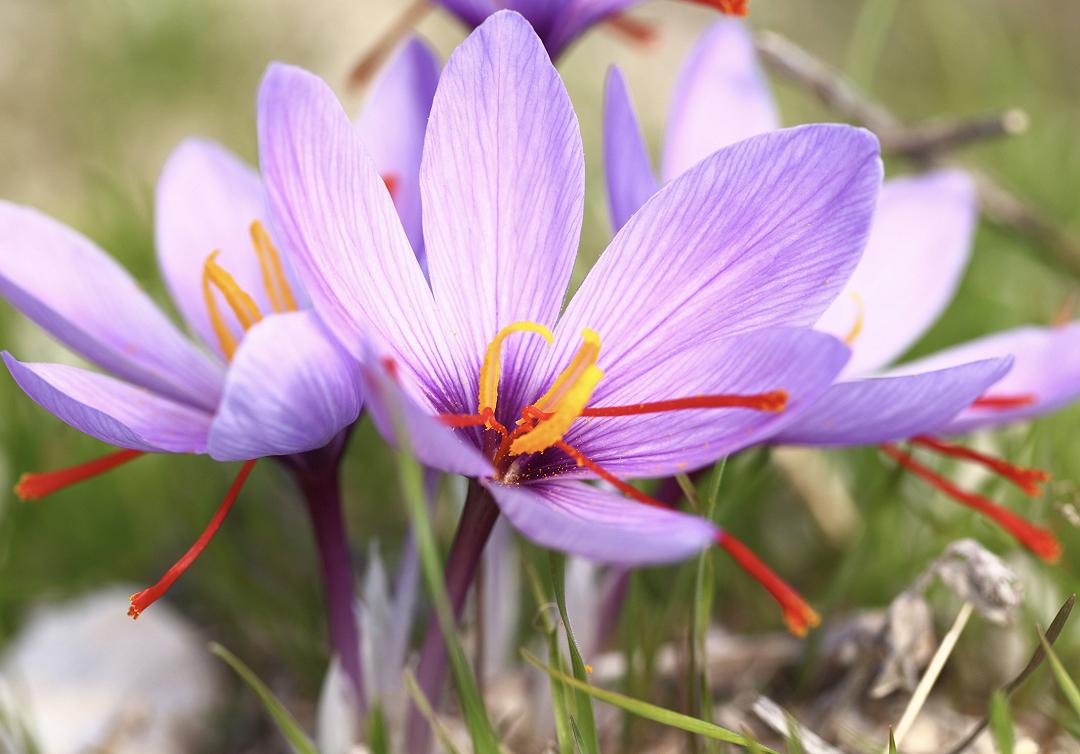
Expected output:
(856, 328)
(243, 306)
(273, 273)
(566, 399)
(492, 366)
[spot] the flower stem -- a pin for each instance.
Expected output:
(477, 520)
(322, 493)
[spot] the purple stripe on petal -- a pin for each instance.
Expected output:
(289, 389)
(918, 249)
(1046, 367)
(503, 186)
(627, 166)
(889, 409)
(603, 526)
(721, 97)
(762, 233)
(113, 411)
(83, 298)
(433, 443)
(798, 360)
(349, 247)
(392, 123)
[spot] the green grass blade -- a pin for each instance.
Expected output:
(1001, 724)
(892, 742)
(584, 721)
(378, 733)
(644, 709)
(422, 704)
(285, 722)
(560, 710)
(1067, 684)
(472, 706)
(700, 614)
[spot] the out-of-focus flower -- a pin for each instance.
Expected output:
(697, 301)
(274, 383)
(916, 253)
(559, 23)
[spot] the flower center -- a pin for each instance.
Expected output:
(241, 303)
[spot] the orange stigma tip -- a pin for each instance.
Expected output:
(37, 486)
(1028, 480)
(1040, 541)
(773, 401)
(798, 615)
(144, 599)
(1003, 402)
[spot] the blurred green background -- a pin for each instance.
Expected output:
(94, 95)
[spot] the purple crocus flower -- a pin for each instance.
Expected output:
(927, 221)
(559, 23)
(271, 381)
(680, 347)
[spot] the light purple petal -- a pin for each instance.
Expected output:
(918, 248)
(1046, 367)
(79, 294)
(392, 123)
(762, 233)
(431, 442)
(207, 199)
(290, 388)
(627, 166)
(721, 97)
(888, 409)
(599, 525)
(799, 360)
(113, 411)
(503, 189)
(337, 217)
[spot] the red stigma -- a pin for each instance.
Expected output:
(772, 402)
(727, 7)
(142, 600)
(798, 615)
(37, 486)
(638, 32)
(1028, 480)
(391, 182)
(1004, 402)
(1040, 541)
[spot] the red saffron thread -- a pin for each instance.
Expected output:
(773, 401)
(1028, 480)
(36, 486)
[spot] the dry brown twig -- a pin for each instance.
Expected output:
(927, 144)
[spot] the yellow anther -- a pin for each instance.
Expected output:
(243, 306)
(856, 328)
(273, 273)
(492, 366)
(565, 400)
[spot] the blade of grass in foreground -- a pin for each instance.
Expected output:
(1001, 724)
(472, 706)
(285, 722)
(559, 707)
(644, 709)
(424, 706)
(584, 720)
(1066, 683)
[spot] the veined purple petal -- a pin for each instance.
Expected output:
(83, 298)
(349, 247)
(798, 360)
(1046, 368)
(918, 248)
(627, 166)
(721, 97)
(290, 388)
(503, 186)
(603, 526)
(392, 123)
(431, 442)
(888, 409)
(111, 410)
(207, 199)
(762, 233)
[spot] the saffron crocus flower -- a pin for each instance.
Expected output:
(683, 345)
(271, 382)
(916, 253)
